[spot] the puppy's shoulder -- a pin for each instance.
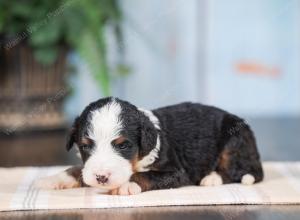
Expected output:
(180, 107)
(187, 107)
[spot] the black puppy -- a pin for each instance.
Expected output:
(128, 150)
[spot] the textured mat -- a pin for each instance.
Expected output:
(281, 186)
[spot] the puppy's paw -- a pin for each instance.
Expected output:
(213, 179)
(58, 181)
(129, 188)
(247, 179)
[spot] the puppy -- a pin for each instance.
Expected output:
(127, 150)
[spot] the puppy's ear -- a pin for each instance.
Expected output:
(72, 135)
(148, 136)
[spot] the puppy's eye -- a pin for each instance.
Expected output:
(123, 145)
(86, 147)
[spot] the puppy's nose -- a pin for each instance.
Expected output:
(102, 178)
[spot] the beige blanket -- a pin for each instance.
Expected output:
(281, 186)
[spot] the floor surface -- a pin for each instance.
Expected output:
(233, 212)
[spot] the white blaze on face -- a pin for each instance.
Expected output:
(105, 127)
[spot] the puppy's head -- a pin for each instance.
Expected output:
(112, 136)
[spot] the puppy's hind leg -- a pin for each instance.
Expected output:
(70, 178)
(239, 161)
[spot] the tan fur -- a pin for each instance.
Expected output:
(141, 181)
(59, 181)
(134, 163)
(224, 160)
(86, 141)
(128, 188)
(119, 140)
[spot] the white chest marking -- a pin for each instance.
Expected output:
(142, 165)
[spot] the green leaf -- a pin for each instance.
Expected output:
(44, 33)
(46, 55)
(73, 25)
(96, 60)
(22, 9)
(1, 22)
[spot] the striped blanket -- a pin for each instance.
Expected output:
(281, 186)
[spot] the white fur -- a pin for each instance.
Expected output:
(105, 122)
(59, 181)
(212, 179)
(105, 127)
(128, 188)
(142, 165)
(77, 151)
(151, 117)
(248, 179)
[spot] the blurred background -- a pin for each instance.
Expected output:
(58, 56)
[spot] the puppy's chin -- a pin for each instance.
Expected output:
(108, 186)
(105, 187)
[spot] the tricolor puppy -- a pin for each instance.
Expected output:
(128, 150)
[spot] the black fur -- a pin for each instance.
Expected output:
(195, 140)
(195, 136)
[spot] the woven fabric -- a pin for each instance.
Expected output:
(17, 192)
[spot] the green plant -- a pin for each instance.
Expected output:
(48, 25)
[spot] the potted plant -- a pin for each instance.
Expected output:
(36, 36)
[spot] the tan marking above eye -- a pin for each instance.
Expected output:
(119, 140)
(86, 141)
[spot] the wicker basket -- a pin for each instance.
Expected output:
(31, 95)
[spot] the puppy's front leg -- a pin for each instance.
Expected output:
(70, 178)
(152, 180)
